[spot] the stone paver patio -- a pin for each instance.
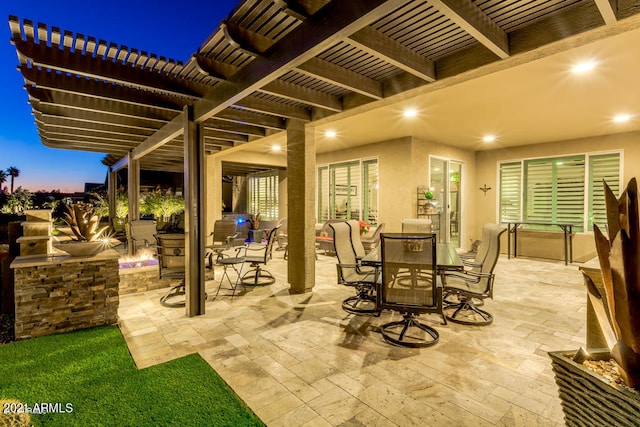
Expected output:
(299, 360)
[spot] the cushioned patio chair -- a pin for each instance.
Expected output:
(420, 225)
(475, 259)
(412, 259)
(351, 273)
(471, 285)
(371, 242)
(258, 254)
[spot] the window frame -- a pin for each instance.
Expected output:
(585, 226)
(330, 196)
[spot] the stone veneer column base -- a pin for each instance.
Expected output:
(61, 294)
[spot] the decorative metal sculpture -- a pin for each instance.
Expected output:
(620, 264)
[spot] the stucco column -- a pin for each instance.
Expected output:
(301, 165)
(214, 191)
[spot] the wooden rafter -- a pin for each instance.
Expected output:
(475, 22)
(394, 53)
(609, 10)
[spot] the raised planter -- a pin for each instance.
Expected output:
(589, 399)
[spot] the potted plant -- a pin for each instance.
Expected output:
(589, 398)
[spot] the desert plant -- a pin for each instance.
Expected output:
(18, 201)
(83, 223)
(161, 204)
(620, 264)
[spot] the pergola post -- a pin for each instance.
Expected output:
(195, 213)
(133, 194)
(112, 186)
(301, 164)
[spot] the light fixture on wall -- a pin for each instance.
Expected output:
(484, 188)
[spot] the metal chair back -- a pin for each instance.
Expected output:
(409, 274)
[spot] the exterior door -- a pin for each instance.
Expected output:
(445, 183)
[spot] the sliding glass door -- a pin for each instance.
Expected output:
(445, 182)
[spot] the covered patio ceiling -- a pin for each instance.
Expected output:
(274, 60)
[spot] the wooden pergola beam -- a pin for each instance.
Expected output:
(474, 21)
(609, 10)
(303, 95)
(338, 76)
(389, 50)
(332, 23)
(99, 89)
(95, 67)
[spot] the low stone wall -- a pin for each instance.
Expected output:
(142, 279)
(60, 294)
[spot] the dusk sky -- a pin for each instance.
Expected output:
(174, 29)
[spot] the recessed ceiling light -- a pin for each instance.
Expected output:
(583, 67)
(488, 138)
(276, 147)
(621, 118)
(330, 134)
(410, 112)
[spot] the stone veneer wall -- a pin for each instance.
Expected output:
(142, 279)
(60, 297)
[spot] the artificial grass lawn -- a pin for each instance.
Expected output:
(93, 370)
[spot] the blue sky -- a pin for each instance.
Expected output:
(168, 28)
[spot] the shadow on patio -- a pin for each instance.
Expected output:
(301, 360)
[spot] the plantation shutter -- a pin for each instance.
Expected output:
(539, 191)
(570, 183)
(343, 190)
(510, 191)
(603, 167)
(555, 190)
(370, 196)
(323, 193)
(263, 195)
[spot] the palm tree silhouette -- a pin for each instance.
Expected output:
(13, 172)
(3, 178)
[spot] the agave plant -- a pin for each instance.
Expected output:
(620, 264)
(83, 223)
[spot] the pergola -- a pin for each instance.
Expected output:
(273, 66)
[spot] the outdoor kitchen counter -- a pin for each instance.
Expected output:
(62, 258)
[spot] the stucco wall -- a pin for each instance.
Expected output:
(549, 245)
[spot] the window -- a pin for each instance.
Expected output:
(555, 189)
(348, 190)
(263, 194)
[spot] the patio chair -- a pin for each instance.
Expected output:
(476, 284)
(414, 258)
(356, 240)
(350, 273)
(142, 233)
(475, 259)
(258, 254)
(371, 242)
(410, 225)
(222, 238)
(281, 238)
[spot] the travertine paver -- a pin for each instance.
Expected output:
(299, 360)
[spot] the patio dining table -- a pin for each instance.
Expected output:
(447, 258)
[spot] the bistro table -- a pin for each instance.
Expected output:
(446, 257)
